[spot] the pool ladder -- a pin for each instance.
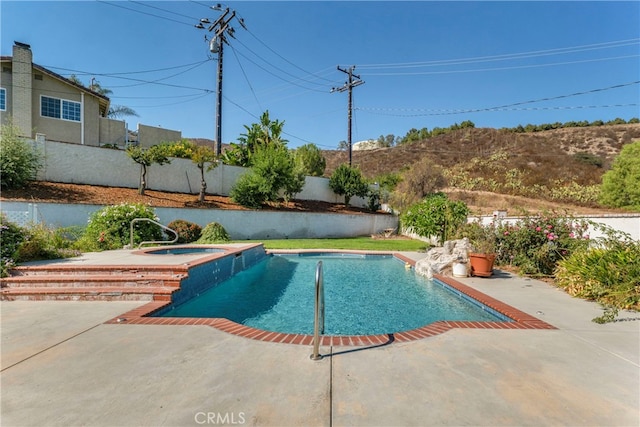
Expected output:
(318, 321)
(133, 221)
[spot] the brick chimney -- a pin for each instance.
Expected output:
(22, 77)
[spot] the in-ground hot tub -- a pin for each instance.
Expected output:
(184, 250)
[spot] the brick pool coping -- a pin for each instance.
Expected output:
(521, 320)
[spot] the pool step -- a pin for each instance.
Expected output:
(177, 271)
(87, 293)
(73, 282)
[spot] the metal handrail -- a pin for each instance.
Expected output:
(152, 241)
(318, 323)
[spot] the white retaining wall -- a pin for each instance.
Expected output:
(239, 224)
(81, 164)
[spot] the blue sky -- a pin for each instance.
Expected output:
(424, 64)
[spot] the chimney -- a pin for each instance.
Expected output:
(22, 78)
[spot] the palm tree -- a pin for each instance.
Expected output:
(258, 135)
(115, 111)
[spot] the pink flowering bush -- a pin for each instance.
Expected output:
(536, 244)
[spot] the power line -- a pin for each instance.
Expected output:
(515, 67)
(285, 59)
(503, 57)
(139, 80)
(193, 98)
(258, 118)
(281, 70)
(497, 108)
(130, 72)
(164, 10)
(245, 76)
(144, 13)
(453, 112)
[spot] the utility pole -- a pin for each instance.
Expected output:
(349, 85)
(216, 45)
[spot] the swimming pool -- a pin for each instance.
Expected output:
(365, 295)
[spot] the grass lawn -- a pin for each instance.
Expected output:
(355, 243)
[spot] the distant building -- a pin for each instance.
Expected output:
(47, 106)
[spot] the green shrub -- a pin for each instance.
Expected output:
(437, 216)
(273, 170)
(251, 190)
(608, 273)
(32, 243)
(483, 238)
(188, 232)
(373, 203)
(183, 149)
(589, 159)
(19, 161)
(109, 227)
(309, 160)
(213, 233)
(621, 184)
(39, 243)
(11, 235)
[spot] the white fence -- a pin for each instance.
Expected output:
(239, 224)
(626, 223)
(23, 215)
(81, 164)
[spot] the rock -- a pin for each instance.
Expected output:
(440, 260)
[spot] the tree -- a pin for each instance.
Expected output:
(115, 111)
(621, 184)
(19, 161)
(201, 156)
(436, 215)
(343, 146)
(309, 160)
(348, 182)
(266, 132)
(423, 178)
(145, 158)
(386, 141)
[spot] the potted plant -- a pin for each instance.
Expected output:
(483, 242)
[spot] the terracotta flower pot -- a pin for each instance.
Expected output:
(482, 264)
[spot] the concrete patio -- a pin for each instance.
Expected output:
(62, 366)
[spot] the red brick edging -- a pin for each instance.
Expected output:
(521, 320)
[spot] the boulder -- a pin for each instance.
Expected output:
(440, 260)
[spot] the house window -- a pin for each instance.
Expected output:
(3, 99)
(60, 109)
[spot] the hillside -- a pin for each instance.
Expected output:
(540, 163)
(546, 155)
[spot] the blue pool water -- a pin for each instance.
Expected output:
(184, 251)
(364, 295)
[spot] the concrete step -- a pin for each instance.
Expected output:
(90, 280)
(177, 271)
(88, 293)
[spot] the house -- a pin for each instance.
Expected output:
(46, 106)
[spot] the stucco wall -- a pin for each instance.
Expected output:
(149, 135)
(239, 224)
(6, 82)
(113, 132)
(79, 164)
